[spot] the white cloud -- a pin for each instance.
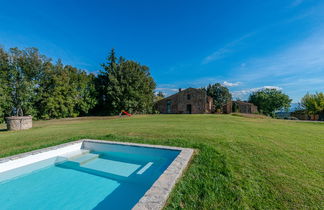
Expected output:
(270, 87)
(201, 82)
(229, 84)
(246, 92)
(166, 91)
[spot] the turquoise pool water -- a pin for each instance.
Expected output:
(107, 177)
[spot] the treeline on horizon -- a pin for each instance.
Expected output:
(32, 84)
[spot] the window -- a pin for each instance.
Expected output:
(188, 97)
(169, 107)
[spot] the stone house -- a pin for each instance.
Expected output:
(240, 106)
(188, 101)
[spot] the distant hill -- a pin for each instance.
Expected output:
(293, 107)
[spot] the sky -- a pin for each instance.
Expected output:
(245, 45)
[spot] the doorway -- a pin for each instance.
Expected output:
(188, 108)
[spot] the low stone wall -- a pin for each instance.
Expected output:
(16, 123)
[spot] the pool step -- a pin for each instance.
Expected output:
(70, 155)
(83, 159)
(75, 154)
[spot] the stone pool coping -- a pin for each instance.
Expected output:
(157, 195)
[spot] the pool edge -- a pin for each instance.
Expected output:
(157, 196)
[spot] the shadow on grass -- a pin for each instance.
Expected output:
(3, 130)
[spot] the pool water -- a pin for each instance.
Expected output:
(103, 176)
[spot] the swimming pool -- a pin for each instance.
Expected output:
(91, 174)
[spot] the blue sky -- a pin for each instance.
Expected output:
(245, 45)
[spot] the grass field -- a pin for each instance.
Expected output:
(240, 163)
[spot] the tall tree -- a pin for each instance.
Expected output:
(220, 94)
(103, 82)
(125, 85)
(313, 103)
(270, 100)
(20, 74)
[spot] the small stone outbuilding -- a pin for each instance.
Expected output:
(188, 101)
(240, 106)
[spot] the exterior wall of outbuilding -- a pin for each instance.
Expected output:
(240, 106)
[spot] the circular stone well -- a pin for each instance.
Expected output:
(16, 123)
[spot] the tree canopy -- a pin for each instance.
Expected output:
(270, 100)
(124, 85)
(313, 103)
(220, 94)
(30, 82)
(65, 91)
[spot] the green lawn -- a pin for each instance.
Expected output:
(240, 162)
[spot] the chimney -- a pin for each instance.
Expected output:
(180, 89)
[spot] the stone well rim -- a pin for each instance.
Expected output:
(18, 117)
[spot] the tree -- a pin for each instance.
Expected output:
(124, 85)
(313, 103)
(31, 83)
(65, 91)
(86, 94)
(103, 81)
(220, 94)
(159, 96)
(20, 71)
(2, 103)
(270, 100)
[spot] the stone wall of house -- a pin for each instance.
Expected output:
(15, 123)
(179, 102)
